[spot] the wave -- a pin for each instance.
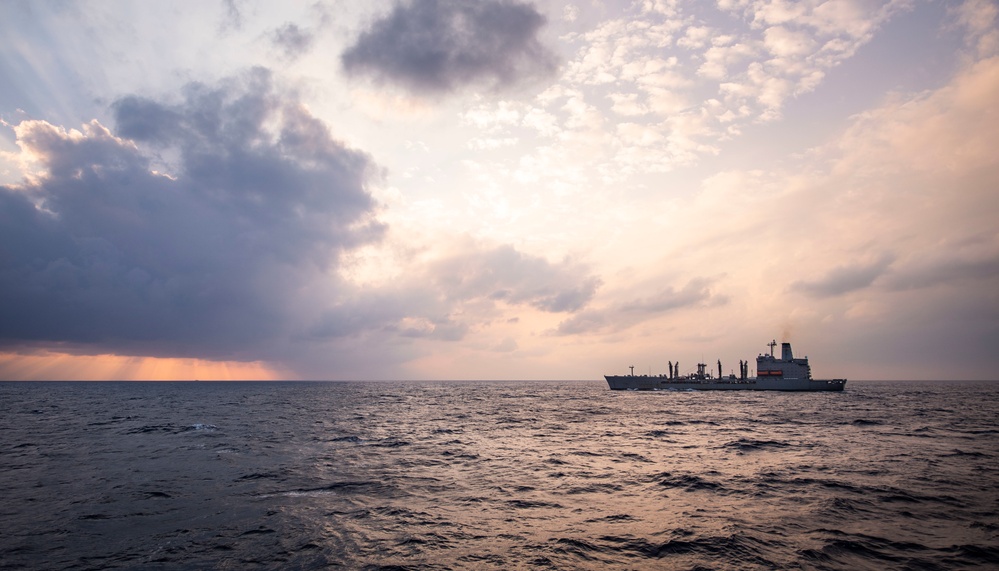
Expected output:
(331, 477)
(957, 452)
(153, 428)
(202, 427)
(687, 482)
(389, 443)
(750, 445)
(336, 488)
(171, 428)
(843, 549)
(594, 489)
(737, 549)
(532, 504)
(351, 438)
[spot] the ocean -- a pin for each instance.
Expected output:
(496, 475)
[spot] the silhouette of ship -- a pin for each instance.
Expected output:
(772, 374)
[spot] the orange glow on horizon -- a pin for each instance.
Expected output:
(53, 365)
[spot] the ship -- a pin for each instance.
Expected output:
(772, 374)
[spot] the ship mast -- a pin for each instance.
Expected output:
(772, 344)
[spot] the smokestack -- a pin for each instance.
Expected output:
(785, 352)
(719, 369)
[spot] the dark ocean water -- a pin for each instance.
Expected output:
(496, 476)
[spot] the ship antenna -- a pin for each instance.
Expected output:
(772, 344)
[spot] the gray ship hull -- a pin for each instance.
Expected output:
(647, 383)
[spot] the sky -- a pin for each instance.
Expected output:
(497, 189)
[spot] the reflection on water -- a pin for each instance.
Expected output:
(497, 475)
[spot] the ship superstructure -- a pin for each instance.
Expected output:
(772, 374)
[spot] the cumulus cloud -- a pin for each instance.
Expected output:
(439, 46)
(215, 226)
(189, 231)
(782, 42)
(696, 82)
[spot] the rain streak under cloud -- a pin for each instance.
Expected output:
(498, 189)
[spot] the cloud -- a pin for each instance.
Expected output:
(440, 46)
(800, 42)
(196, 229)
(292, 40)
(844, 279)
(695, 37)
(408, 311)
(952, 269)
(504, 274)
(696, 293)
(721, 56)
(978, 18)
(446, 298)
(232, 19)
(696, 82)
(786, 43)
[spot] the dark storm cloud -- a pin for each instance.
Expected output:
(208, 259)
(697, 293)
(845, 279)
(438, 46)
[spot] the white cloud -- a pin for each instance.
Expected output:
(542, 122)
(698, 83)
(695, 37)
(627, 104)
(719, 58)
(782, 42)
(570, 13)
(663, 7)
(486, 144)
(637, 134)
(492, 118)
(979, 18)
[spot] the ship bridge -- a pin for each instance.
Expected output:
(786, 366)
